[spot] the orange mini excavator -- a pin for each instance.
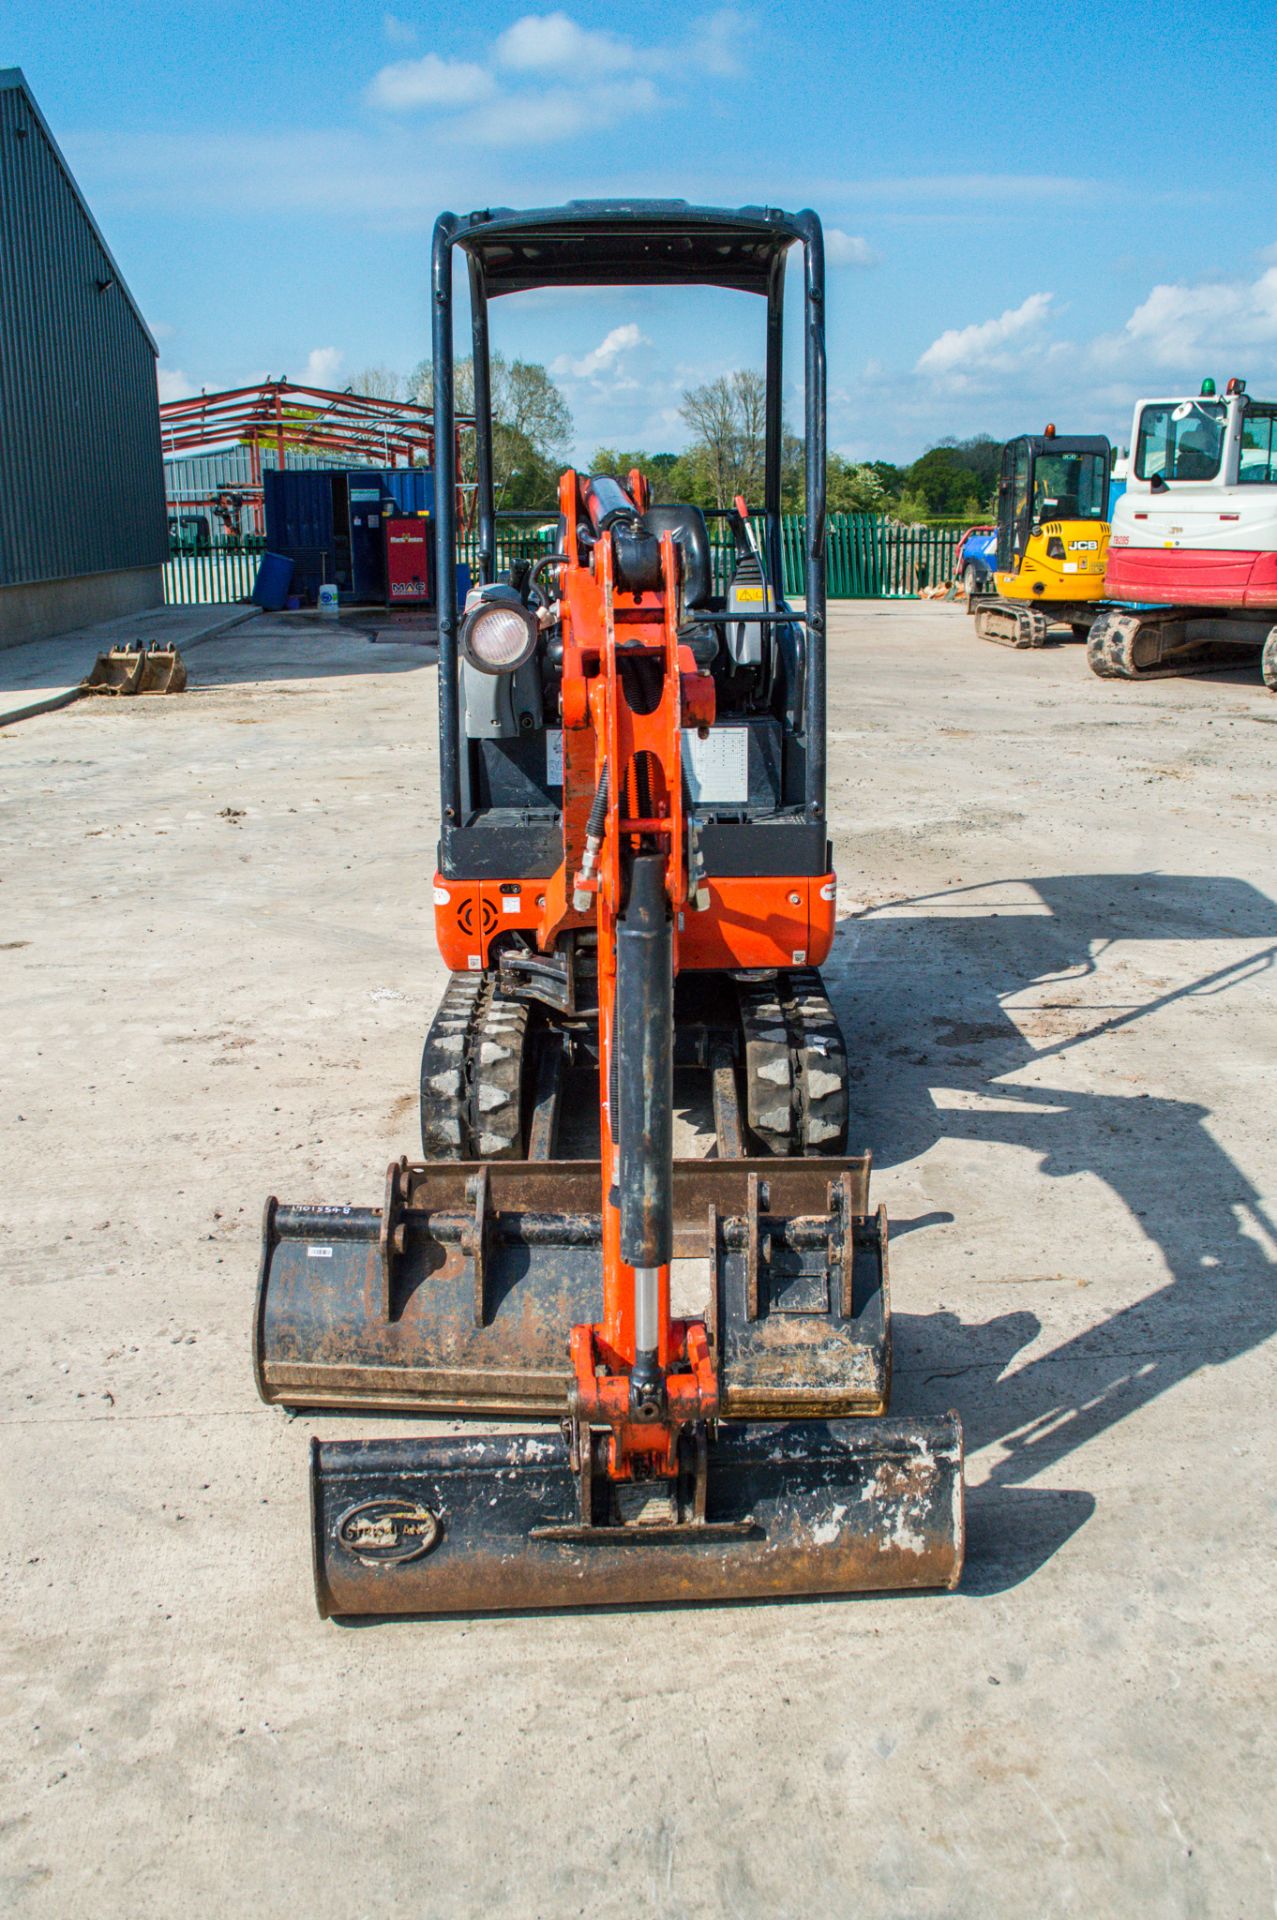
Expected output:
(634, 873)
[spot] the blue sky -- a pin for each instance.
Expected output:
(1035, 210)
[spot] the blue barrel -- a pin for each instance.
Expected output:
(274, 578)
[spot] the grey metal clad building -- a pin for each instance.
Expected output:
(83, 535)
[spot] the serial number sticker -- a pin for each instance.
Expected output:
(1073, 566)
(717, 767)
(511, 902)
(319, 1253)
(475, 962)
(554, 756)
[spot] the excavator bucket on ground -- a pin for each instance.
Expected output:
(136, 669)
(634, 874)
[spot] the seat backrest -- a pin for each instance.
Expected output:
(691, 535)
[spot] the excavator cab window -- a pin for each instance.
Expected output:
(1258, 464)
(1180, 440)
(1069, 486)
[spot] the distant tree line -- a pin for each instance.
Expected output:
(532, 434)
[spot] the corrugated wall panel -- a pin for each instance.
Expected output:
(81, 477)
(201, 474)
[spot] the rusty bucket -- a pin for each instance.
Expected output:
(489, 1523)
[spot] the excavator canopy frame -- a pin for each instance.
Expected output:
(629, 243)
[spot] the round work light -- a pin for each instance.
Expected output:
(499, 635)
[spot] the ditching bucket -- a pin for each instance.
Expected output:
(136, 669)
(489, 1523)
(457, 1295)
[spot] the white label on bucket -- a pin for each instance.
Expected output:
(554, 757)
(319, 1253)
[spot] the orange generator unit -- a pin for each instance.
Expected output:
(634, 874)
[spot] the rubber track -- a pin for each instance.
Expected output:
(472, 1073)
(795, 1063)
(1110, 652)
(1025, 626)
(1268, 661)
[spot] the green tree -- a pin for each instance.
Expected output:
(911, 507)
(728, 418)
(531, 428)
(853, 488)
(957, 476)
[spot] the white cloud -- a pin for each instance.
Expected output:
(620, 340)
(988, 344)
(173, 383)
(430, 82)
(321, 366)
(539, 117)
(400, 33)
(554, 43)
(847, 249)
(716, 42)
(1178, 324)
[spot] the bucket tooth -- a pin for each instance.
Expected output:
(489, 1523)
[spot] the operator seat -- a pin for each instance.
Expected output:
(691, 536)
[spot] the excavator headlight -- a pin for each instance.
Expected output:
(498, 633)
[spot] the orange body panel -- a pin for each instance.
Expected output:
(749, 923)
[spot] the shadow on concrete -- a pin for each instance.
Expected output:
(925, 985)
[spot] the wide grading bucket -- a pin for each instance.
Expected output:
(490, 1523)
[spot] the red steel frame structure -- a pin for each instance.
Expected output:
(280, 415)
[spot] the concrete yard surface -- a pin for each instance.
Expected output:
(1054, 965)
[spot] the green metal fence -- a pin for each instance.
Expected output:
(202, 574)
(867, 557)
(870, 557)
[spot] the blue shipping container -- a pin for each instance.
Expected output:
(330, 523)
